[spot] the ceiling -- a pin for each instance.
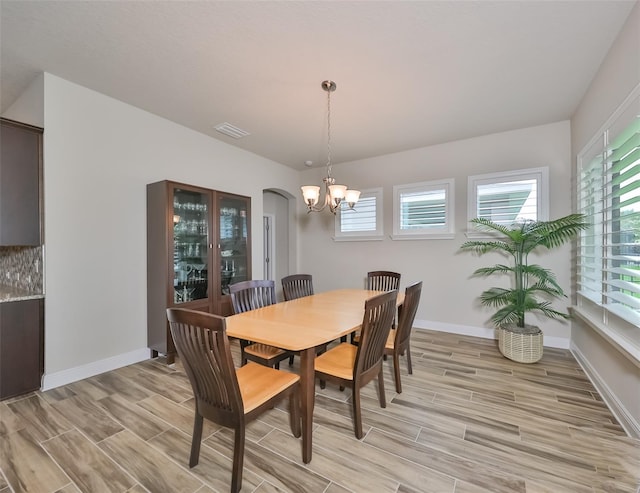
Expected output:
(409, 73)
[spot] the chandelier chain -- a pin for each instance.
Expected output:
(329, 132)
(334, 195)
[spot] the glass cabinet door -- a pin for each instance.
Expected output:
(190, 245)
(234, 258)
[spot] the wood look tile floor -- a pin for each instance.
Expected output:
(467, 421)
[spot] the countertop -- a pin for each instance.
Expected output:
(10, 293)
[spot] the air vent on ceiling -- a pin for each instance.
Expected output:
(231, 131)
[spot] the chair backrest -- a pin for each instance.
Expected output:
(297, 286)
(249, 295)
(376, 324)
(408, 314)
(383, 280)
(203, 348)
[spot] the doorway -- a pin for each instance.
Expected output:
(279, 259)
(268, 247)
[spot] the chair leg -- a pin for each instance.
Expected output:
(291, 360)
(195, 441)
(396, 371)
(357, 413)
(243, 357)
(382, 397)
(238, 459)
(294, 413)
(408, 353)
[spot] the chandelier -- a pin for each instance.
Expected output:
(334, 194)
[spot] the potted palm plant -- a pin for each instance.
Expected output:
(532, 286)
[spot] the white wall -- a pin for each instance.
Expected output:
(450, 297)
(617, 377)
(99, 155)
(29, 108)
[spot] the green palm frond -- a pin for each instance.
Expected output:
(507, 315)
(552, 234)
(497, 297)
(482, 247)
(496, 269)
(488, 225)
(551, 313)
(551, 291)
(541, 274)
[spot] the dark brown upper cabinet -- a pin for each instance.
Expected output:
(20, 184)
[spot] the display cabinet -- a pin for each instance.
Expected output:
(198, 243)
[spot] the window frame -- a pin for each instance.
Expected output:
(623, 329)
(369, 235)
(446, 232)
(540, 174)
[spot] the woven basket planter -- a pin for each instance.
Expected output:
(520, 345)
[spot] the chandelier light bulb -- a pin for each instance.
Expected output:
(311, 194)
(352, 197)
(337, 191)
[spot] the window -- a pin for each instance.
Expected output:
(510, 196)
(364, 221)
(423, 210)
(609, 194)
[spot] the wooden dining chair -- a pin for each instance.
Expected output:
(355, 366)
(297, 286)
(383, 280)
(399, 340)
(229, 397)
(250, 295)
(379, 280)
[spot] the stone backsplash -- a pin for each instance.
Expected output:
(21, 267)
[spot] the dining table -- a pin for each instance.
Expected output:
(301, 325)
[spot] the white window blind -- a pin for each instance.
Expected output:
(362, 222)
(361, 219)
(423, 210)
(609, 194)
(508, 202)
(510, 196)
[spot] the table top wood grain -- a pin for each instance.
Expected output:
(305, 322)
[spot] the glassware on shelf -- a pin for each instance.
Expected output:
(227, 272)
(199, 268)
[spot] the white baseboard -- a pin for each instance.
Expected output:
(627, 421)
(64, 377)
(484, 332)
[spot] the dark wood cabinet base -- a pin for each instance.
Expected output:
(21, 347)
